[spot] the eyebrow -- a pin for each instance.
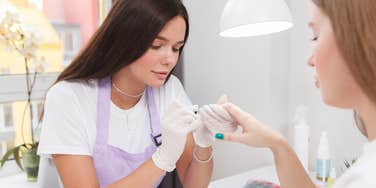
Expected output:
(165, 39)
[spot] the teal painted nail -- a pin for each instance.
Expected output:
(219, 136)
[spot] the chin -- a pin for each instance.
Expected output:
(157, 83)
(336, 102)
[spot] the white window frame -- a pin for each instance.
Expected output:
(63, 30)
(13, 89)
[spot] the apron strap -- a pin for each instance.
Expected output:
(155, 124)
(103, 110)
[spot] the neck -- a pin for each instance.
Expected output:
(367, 111)
(128, 84)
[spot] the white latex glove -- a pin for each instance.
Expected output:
(204, 135)
(176, 124)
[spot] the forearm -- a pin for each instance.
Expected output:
(199, 173)
(137, 177)
(290, 171)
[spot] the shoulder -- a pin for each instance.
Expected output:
(71, 89)
(369, 168)
(173, 84)
(362, 174)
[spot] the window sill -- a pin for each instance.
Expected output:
(12, 177)
(17, 181)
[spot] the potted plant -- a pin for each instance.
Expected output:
(18, 39)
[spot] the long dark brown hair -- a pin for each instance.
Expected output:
(125, 35)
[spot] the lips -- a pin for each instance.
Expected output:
(160, 74)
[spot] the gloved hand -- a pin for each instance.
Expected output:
(176, 124)
(212, 119)
(255, 133)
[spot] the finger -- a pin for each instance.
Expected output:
(236, 113)
(184, 111)
(222, 99)
(188, 119)
(195, 125)
(220, 112)
(210, 114)
(188, 110)
(187, 128)
(230, 137)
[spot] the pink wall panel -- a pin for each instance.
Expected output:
(81, 12)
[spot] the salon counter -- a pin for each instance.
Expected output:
(267, 173)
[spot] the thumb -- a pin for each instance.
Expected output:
(195, 125)
(222, 99)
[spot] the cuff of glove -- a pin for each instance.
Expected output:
(200, 141)
(162, 163)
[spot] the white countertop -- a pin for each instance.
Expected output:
(267, 173)
(239, 180)
(17, 181)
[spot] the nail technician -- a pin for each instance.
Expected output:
(344, 57)
(113, 118)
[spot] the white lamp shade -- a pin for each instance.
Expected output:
(243, 18)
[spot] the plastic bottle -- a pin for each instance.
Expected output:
(323, 159)
(301, 136)
(332, 177)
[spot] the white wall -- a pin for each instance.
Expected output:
(252, 71)
(268, 77)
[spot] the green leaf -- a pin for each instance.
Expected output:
(17, 158)
(7, 154)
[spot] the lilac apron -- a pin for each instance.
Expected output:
(111, 163)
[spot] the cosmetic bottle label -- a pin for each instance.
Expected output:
(322, 169)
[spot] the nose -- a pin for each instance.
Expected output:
(170, 57)
(310, 61)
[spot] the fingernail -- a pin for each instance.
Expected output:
(219, 136)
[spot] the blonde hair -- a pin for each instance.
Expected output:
(354, 26)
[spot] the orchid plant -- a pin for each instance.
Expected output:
(18, 39)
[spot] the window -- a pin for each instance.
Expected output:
(104, 8)
(12, 106)
(68, 25)
(8, 115)
(70, 38)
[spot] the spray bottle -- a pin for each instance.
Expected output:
(323, 159)
(301, 136)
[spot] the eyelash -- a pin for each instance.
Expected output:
(314, 39)
(176, 49)
(155, 47)
(158, 47)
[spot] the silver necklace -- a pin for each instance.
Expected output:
(125, 94)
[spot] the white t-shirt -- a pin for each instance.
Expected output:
(363, 173)
(69, 123)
